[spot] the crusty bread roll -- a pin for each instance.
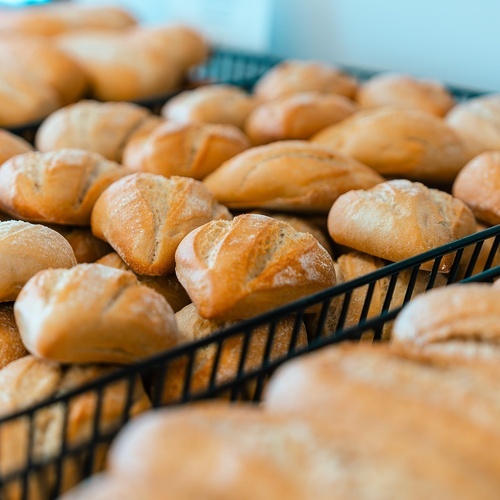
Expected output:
(11, 345)
(238, 269)
(12, 145)
(399, 142)
(219, 103)
(124, 320)
(457, 321)
(477, 121)
(398, 219)
(59, 187)
(293, 76)
(187, 149)
(145, 216)
(26, 249)
(167, 285)
(288, 175)
(102, 128)
(389, 89)
(296, 116)
(478, 185)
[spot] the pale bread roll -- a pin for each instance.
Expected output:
(187, 149)
(11, 345)
(26, 249)
(296, 116)
(237, 269)
(219, 103)
(59, 187)
(478, 185)
(398, 219)
(12, 145)
(389, 89)
(86, 246)
(399, 142)
(145, 216)
(295, 176)
(124, 320)
(293, 76)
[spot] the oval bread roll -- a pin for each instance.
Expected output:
(288, 175)
(26, 249)
(124, 321)
(12, 145)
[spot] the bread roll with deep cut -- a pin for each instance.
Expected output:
(296, 116)
(145, 216)
(99, 127)
(478, 185)
(399, 142)
(237, 269)
(124, 320)
(11, 345)
(391, 89)
(295, 176)
(26, 249)
(398, 219)
(12, 145)
(187, 149)
(293, 76)
(462, 321)
(226, 104)
(477, 122)
(59, 187)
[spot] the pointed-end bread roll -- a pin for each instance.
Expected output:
(238, 269)
(93, 314)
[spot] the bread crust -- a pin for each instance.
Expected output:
(11, 345)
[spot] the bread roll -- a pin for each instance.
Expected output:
(238, 269)
(478, 185)
(26, 249)
(226, 104)
(296, 116)
(399, 142)
(407, 91)
(86, 246)
(293, 76)
(145, 216)
(460, 321)
(12, 145)
(398, 219)
(102, 128)
(190, 150)
(288, 175)
(11, 345)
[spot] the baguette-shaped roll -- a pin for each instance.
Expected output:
(11, 345)
(26, 249)
(12, 145)
(478, 185)
(238, 269)
(399, 142)
(460, 321)
(59, 187)
(288, 175)
(293, 76)
(398, 219)
(187, 149)
(296, 116)
(144, 217)
(101, 127)
(225, 104)
(124, 320)
(407, 91)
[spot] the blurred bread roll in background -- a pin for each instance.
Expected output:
(12, 145)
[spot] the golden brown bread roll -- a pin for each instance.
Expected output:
(26, 249)
(478, 185)
(167, 285)
(11, 345)
(103, 128)
(399, 142)
(293, 76)
(237, 269)
(296, 116)
(288, 175)
(12, 145)
(187, 149)
(398, 219)
(59, 187)
(220, 103)
(145, 216)
(389, 89)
